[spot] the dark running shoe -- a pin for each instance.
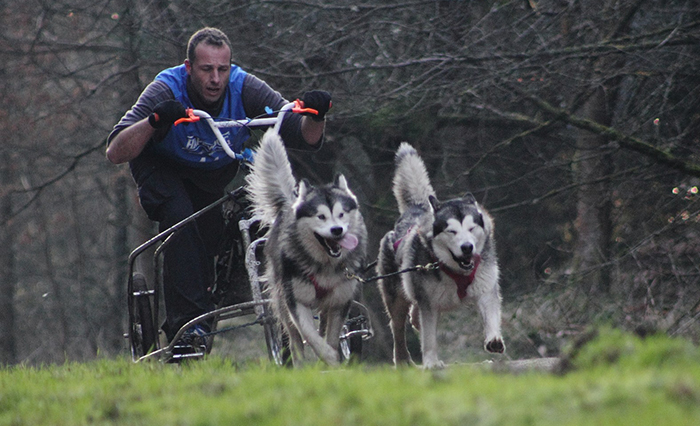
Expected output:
(192, 344)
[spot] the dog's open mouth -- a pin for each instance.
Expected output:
(468, 263)
(334, 245)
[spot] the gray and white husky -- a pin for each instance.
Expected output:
(457, 235)
(316, 232)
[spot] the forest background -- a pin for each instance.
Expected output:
(577, 124)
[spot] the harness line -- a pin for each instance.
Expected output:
(425, 268)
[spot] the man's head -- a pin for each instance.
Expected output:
(209, 63)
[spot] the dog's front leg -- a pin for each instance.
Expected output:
(489, 305)
(397, 307)
(428, 337)
(296, 344)
(334, 319)
(303, 318)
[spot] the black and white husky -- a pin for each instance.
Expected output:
(315, 234)
(457, 237)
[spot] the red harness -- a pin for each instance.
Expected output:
(462, 281)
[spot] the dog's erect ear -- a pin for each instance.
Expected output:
(340, 182)
(303, 189)
(434, 203)
(469, 198)
(301, 207)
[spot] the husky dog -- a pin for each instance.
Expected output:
(315, 234)
(457, 237)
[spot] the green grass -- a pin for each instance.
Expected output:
(616, 379)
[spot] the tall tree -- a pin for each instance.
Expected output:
(593, 160)
(8, 350)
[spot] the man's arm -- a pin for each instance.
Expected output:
(297, 131)
(312, 130)
(312, 125)
(133, 132)
(129, 142)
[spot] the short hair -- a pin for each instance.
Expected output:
(208, 35)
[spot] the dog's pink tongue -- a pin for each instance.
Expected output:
(348, 242)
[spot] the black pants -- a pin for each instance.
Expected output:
(169, 195)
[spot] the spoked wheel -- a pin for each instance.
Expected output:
(356, 329)
(351, 340)
(142, 331)
(277, 339)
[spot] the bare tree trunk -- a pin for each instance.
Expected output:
(594, 165)
(8, 349)
(593, 198)
(121, 253)
(59, 308)
(87, 333)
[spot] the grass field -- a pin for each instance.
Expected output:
(614, 379)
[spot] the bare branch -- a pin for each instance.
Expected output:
(38, 189)
(625, 141)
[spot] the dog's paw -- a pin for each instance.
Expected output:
(405, 364)
(329, 356)
(433, 365)
(495, 346)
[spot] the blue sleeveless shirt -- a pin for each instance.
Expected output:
(194, 144)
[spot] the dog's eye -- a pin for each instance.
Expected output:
(321, 217)
(341, 215)
(452, 231)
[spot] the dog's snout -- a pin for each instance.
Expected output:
(467, 249)
(337, 231)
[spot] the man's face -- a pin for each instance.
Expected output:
(210, 71)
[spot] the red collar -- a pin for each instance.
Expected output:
(462, 281)
(320, 291)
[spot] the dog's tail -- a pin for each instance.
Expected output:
(411, 182)
(271, 182)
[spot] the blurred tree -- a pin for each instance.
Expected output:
(575, 123)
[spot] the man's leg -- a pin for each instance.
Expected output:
(187, 268)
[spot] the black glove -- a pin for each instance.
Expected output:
(318, 100)
(166, 113)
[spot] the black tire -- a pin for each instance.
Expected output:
(142, 330)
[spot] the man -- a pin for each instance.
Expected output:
(180, 169)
